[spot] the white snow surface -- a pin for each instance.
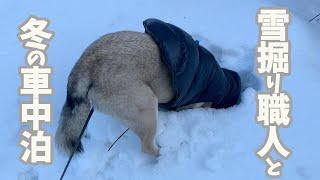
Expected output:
(195, 144)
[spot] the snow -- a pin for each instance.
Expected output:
(197, 143)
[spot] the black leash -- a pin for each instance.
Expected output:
(314, 18)
(77, 144)
(118, 139)
(79, 139)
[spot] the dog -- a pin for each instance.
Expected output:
(121, 74)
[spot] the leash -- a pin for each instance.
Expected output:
(118, 139)
(314, 18)
(78, 142)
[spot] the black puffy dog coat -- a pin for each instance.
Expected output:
(196, 76)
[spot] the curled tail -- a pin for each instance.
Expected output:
(74, 113)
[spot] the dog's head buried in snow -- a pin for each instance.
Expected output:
(129, 74)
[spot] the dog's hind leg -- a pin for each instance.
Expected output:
(146, 128)
(137, 107)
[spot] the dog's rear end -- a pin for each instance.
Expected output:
(120, 74)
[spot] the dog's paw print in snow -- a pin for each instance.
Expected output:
(86, 135)
(212, 160)
(30, 174)
(218, 155)
(303, 172)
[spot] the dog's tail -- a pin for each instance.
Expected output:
(74, 112)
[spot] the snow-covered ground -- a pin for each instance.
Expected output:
(198, 143)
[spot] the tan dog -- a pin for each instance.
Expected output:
(121, 74)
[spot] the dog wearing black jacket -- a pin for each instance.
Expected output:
(126, 74)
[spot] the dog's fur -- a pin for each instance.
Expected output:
(121, 74)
